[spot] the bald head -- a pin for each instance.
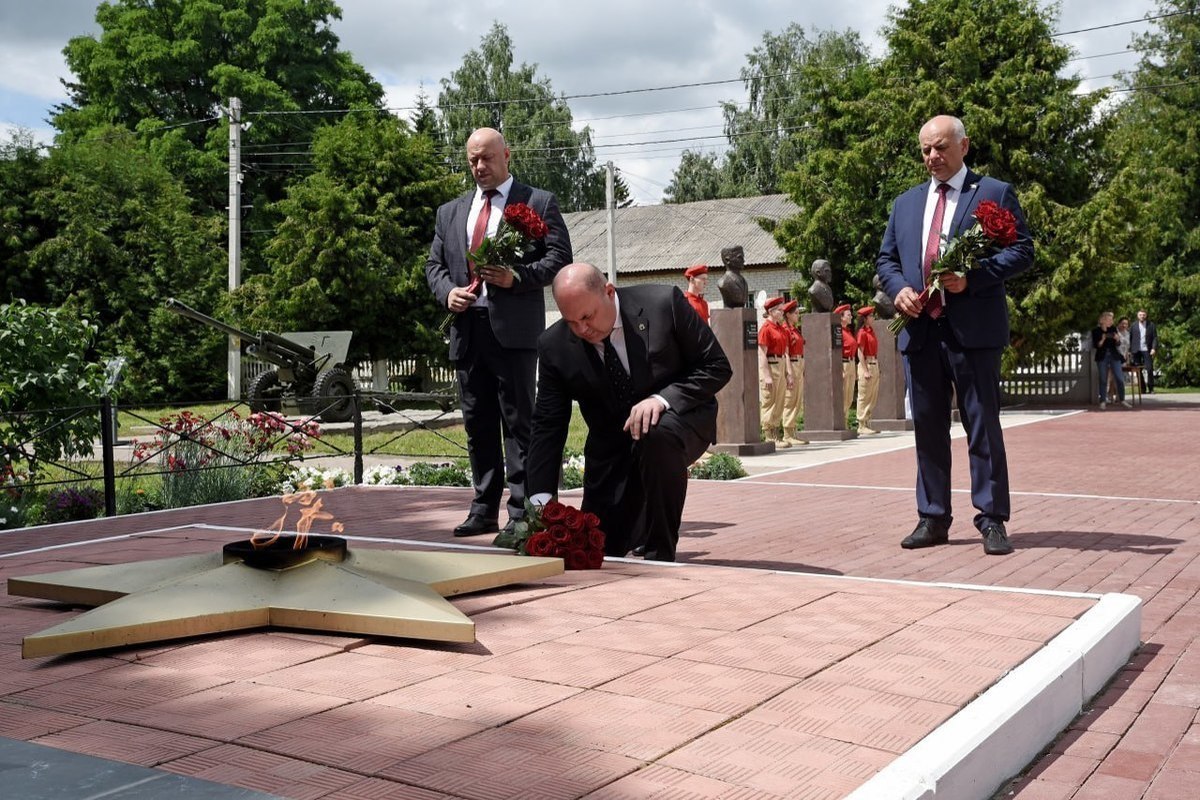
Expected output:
(586, 301)
(944, 146)
(487, 156)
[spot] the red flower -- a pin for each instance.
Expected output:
(576, 559)
(553, 512)
(525, 220)
(574, 519)
(539, 544)
(997, 223)
(595, 558)
(596, 538)
(559, 534)
(580, 539)
(591, 520)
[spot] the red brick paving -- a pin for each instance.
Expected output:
(1102, 502)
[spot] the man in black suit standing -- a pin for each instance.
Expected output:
(1143, 343)
(953, 341)
(645, 371)
(493, 341)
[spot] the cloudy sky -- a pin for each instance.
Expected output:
(582, 47)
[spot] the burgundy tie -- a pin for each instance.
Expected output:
(933, 246)
(481, 222)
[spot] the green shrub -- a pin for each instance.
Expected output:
(68, 504)
(718, 467)
(424, 474)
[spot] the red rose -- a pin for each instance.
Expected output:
(595, 558)
(596, 538)
(525, 220)
(580, 539)
(576, 559)
(997, 223)
(574, 519)
(553, 512)
(540, 544)
(591, 520)
(559, 534)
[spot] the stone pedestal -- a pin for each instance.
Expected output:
(824, 420)
(889, 409)
(738, 420)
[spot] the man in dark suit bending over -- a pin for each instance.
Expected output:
(645, 371)
(953, 342)
(493, 339)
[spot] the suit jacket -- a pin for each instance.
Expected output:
(518, 314)
(672, 353)
(978, 316)
(1135, 337)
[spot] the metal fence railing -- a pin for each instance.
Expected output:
(232, 438)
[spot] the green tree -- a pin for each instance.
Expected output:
(487, 91)
(698, 177)
(350, 251)
(995, 66)
(22, 175)
(793, 83)
(47, 385)
(167, 68)
(125, 238)
(1155, 150)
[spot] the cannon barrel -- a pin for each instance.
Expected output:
(184, 310)
(270, 347)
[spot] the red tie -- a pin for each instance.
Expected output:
(481, 222)
(933, 246)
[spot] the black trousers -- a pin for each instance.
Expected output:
(496, 388)
(638, 489)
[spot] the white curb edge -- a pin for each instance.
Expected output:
(999, 733)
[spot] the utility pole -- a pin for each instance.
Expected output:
(611, 204)
(233, 377)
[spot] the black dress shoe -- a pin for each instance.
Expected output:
(927, 534)
(640, 550)
(995, 540)
(477, 524)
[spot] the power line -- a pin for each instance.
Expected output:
(1119, 24)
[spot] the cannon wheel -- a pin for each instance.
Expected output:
(334, 392)
(264, 392)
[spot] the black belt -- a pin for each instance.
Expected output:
(773, 359)
(847, 360)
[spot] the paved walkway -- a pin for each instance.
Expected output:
(704, 679)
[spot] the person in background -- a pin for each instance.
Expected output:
(793, 400)
(1123, 347)
(1106, 343)
(868, 370)
(1143, 343)
(849, 350)
(697, 282)
(774, 371)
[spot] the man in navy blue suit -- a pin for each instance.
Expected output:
(953, 340)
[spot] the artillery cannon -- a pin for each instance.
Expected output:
(312, 381)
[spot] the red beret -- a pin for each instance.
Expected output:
(774, 301)
(865, 310)
(841, 308)
(694, 270)
(790, 306)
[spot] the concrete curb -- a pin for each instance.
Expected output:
(1002, 731)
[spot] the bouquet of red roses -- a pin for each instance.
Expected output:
(558, 531)
(519, 231)
(995, 227)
